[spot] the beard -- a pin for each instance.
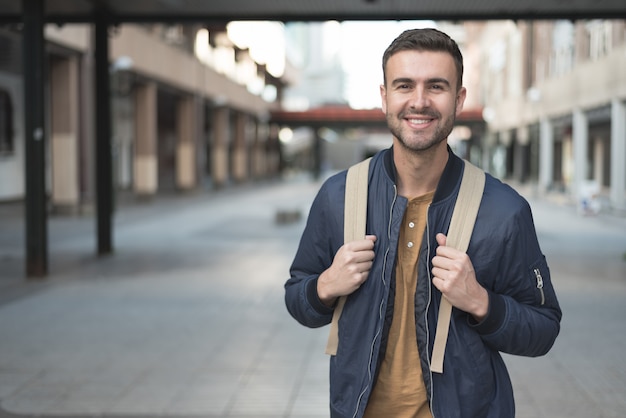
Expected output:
(418, 141)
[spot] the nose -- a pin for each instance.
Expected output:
(419, 98)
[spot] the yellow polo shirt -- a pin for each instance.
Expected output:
(399, 391)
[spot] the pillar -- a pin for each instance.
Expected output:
(598, 161)
(546, 154)
(104, 150)
(258, 151)
(64, 113)
(521, 146)
(187, 138)
(34, 141)
(219, 154)
(273, 152)
(240, 149)
(580, 136)
(618, 154)
(146, 167)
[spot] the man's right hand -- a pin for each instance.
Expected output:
(348, 272)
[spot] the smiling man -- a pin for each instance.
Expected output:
(395, 279)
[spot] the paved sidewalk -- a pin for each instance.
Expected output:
(187, 318)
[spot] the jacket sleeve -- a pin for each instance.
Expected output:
(321, 238)
(524, 314)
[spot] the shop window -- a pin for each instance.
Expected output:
(6, 123)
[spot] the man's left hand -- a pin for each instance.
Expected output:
(454, 276)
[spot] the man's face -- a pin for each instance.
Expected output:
(420, 98)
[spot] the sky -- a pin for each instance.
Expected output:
(362, 48)
(359, 44)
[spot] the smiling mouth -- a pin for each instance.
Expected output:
(419, 121)
(422, 118)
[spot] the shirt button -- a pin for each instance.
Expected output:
(411, 225)
(410, 244)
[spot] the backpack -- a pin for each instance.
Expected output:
(459, 234)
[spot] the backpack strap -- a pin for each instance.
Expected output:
(355, 217)
(459, 234)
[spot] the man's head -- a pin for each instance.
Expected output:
(425, 40)
(422, 92)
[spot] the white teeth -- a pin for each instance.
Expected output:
(419, 121)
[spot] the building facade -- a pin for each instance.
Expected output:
(190, 109)
(555, 105)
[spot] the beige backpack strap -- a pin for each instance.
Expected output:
(355, 217)
(459, 234)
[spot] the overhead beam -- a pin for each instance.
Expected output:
(88, 11)
(183, 17)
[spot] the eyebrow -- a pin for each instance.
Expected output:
(435, 80)
(439, 80)
(403, 80)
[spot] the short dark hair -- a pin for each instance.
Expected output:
(425, 40)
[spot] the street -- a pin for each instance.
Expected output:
(187, 317)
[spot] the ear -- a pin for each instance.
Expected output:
(383, 98)
(460, 100)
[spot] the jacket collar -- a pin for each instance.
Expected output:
(450, 178)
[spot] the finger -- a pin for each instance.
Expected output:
(443, 259)
(361, 245)
(441, 274)
(439, 283)
(441, 239)
(437, 272)
(364, 265)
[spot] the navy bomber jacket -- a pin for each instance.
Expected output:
(524, 314)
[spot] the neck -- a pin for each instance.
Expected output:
(419, 172)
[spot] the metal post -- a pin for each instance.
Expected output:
(34, 138)
(104, 157)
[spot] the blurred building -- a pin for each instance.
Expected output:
(191, 104)
(342, 68)
(315, 48)
(190, 109)
(555, 104)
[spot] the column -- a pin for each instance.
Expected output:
(546, 154)
(580, 136)
(146, 161)
(87, 124)
(36, 218)
(186, 141)
(598, 161)
(521, 141)
(258, 153)
(273, 153)
(64, 129)
(104, 150)
(240, 151)
(618, 154)
(219, 154)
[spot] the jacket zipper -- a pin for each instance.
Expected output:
(540, 285)
(380, 308)
(427, 308)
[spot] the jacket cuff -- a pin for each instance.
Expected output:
(495, 315)
(314, 299)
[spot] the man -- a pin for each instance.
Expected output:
(395, 278)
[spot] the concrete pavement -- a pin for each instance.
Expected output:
(187, 317)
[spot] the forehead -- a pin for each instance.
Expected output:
(420, 64)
